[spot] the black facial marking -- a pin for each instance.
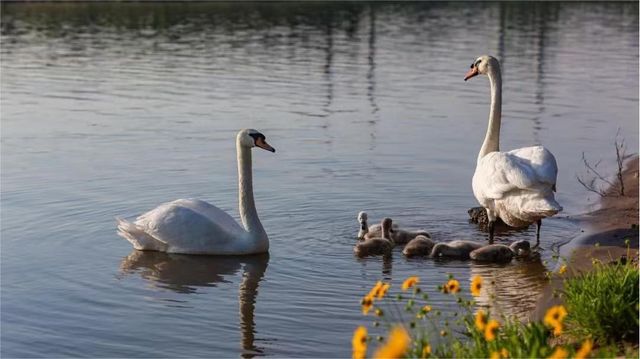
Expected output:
(472, 65)
(256, 136)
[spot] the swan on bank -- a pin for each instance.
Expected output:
(515, 186)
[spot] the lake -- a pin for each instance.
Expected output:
(109, 109)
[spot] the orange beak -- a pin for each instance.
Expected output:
(264, 145)
(473, 72)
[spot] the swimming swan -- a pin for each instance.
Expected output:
(501, 252)
(376, 245)
(399, 236)
(419, 246)
(458, 249)
(191, 226)
(516, 186)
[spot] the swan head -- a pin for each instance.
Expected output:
(481, 66)
(253, 138)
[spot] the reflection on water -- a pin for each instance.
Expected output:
(112, 108)
(506, 289)
(185, 274)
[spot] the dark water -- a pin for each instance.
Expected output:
(110, 109)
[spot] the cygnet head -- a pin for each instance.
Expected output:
(386, 227)
(362, 217)
(253, 138)
(482, 65)
(521, 248)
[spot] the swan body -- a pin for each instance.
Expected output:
(376, 245)
(516, 186)
(192, 226)
(398, 235)
(500, 252)
(458, 249)
(419, 246)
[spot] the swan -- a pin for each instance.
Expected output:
(419, 246)
(376, 245)
(398, 235)
(455, 249)
(515, 186)
(501, 252)
(192, 226)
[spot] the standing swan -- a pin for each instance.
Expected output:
(191, 226)
(518, 185)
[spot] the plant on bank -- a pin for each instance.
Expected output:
(604, 301)
(427, 332)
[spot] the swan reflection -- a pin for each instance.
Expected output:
(511, 289)
(186, 273)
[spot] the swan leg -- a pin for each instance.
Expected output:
(492, 225)
(539, 224)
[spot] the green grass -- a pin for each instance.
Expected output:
(603, 303)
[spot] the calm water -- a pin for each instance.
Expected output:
(111, 109)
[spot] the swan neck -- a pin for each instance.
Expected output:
(492, 138)
(248, 212)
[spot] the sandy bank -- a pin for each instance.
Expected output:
(615, 222)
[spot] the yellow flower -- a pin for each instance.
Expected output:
(504, 353)
(452, 286)
(367, 304)
(375, 290)
(359, 343)
(426, 308)
(476, 285)
(481, 320)
(410, 282)
(378, 312)
(494, 355)
(555, 315)
(426, 351)
(559, 353)
(383, 290)
(585, 349)
(491, 329)
(562, 269)
(396, 346)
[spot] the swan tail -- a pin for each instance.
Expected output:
(140, 240)
(543, 207)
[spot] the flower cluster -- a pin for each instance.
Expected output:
(488, 337)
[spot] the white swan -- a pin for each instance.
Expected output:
(516, 186)
(192, 226)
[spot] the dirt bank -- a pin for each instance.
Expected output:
(615, 222)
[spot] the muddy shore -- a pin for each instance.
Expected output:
(605, 233)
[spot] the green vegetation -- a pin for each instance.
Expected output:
(603, 303)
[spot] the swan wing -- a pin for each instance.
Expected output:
(529, 168)
(541, 161)
(191, 226)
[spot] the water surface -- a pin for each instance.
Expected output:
(111, 109)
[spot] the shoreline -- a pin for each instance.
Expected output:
(604, 235)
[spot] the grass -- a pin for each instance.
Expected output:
(603, 303)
